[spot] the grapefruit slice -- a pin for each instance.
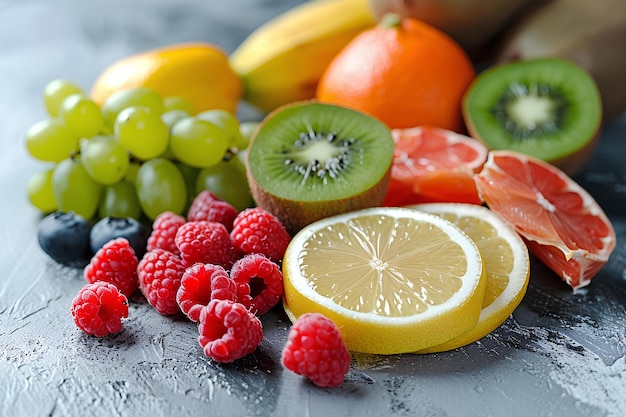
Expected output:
(434, 165)
(393, 280)
(560, 222)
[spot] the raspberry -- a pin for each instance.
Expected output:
(202, 283)
(263, 279)
(115, 262)
(160, 272)
(207, 243)
(207, 207)
(98, 309)
(202, 199)
(316, 351)
(164, 230)
(228, 330)
(258, 231)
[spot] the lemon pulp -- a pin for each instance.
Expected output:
(506, 262)
(394, 280)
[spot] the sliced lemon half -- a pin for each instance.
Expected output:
(394, 280)
(506, 262)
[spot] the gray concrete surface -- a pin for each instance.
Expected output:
(560, 354)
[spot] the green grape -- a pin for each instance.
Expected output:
(138, 96)
(171, 117)
(81, 115)
(74, 190)
(160, 187)
(198, 143)
(49, 140)
(105, 159)
(178, 103)
(55, 92)
(131, 172)
(239, 160)
(226, 121)
(39, 190)
(227, 182)
(247, 129)
(190, 175)
(120, 200)
(142, 132)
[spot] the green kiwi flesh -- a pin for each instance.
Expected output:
(549, 108)
(310, 160)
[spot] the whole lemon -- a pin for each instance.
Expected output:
(197, 72)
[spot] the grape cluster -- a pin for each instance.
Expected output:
(139, 154)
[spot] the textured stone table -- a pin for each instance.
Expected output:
(561, 353)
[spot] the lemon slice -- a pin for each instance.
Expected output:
(506, 261)
(394, 280)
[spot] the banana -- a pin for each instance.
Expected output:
(282, 61)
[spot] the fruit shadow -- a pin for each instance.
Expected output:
(474, 357)
(539, 309)
(588, 321)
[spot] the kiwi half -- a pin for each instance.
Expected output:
(309, 160)
(549, 108)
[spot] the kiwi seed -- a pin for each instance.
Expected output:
(550, 104)
(548, 108)
(310, 160)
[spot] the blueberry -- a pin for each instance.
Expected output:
(64, 237)
(110, 228)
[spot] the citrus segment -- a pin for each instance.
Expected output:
(434, 165)
(560, 221)
(506, 262)
(394, 280)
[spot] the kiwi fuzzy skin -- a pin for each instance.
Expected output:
(295, 215)
(576, 162)
(582, 138)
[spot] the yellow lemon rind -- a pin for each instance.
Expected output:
(493, 315)
(371, 333)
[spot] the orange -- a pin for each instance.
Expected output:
(561, 223)
(198, 72)
(402, 71)
(434, 165)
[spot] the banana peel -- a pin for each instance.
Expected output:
(282, 61)
(592, 34)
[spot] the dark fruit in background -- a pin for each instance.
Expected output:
(311, 160)
(549, 108)
(472, 23)
(110, 228)
(590, 33)
(64, 237)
